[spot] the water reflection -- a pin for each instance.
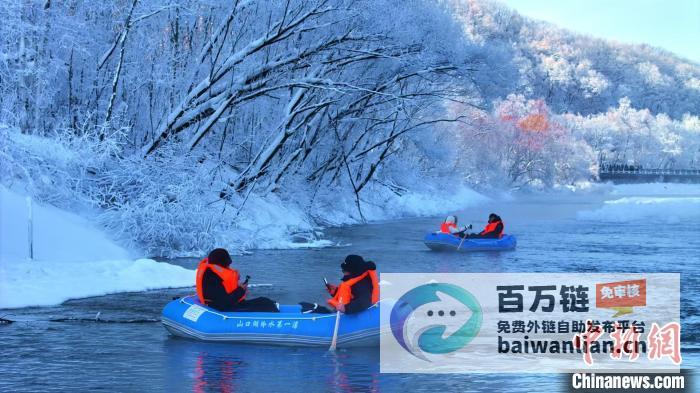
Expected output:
(215, 373)
(219, 367)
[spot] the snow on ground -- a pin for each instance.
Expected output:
(271, 223)
(666, 209)
(664, 202)
(72, 259)
(58, 235)
(655, 189)
(46, 283)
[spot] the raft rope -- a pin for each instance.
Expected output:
(224, 316)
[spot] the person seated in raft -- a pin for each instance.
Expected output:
(218, 286)
(492, 230)
(450, 226)
(358, 290)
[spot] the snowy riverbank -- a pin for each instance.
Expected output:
(75, 259)
(72, 259)
(174, 208)
(659, 202)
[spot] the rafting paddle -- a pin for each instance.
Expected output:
(464, 236)
(461, 241)
(334, 341)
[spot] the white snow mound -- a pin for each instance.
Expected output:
(656, 189)
(667, 209)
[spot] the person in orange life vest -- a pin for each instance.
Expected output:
(450, 226)
(492, 230)
(359, 288)
(218, 286)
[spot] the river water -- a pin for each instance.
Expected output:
(131, 352)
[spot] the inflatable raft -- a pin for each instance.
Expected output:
(187, 317)
(446, 242)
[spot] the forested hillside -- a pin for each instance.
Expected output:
(576, 101)
(579, 73)
(187, 124)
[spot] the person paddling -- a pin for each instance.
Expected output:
(449, 226)
(218, 286)
(492, 230)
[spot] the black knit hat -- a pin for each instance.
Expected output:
(219, 256)
(354, 264)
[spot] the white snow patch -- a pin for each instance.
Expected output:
(641, 189)
(269, 223)
(44, 283)
(667, 209)
(655, 189)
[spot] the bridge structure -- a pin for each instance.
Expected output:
(637, 174)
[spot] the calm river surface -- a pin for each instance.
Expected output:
(39, 355)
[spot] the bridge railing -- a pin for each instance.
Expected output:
(671, 172)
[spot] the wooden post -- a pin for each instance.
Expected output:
(30, 228)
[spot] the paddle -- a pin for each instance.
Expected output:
(334, 341)
(464, 236)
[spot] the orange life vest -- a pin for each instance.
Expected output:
(446, 226)
(492, 227)
(343, 295)
(375, 285)
(229, 278)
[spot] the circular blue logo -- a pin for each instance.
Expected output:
(436, 318)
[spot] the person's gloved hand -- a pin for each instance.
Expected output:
(332, 289)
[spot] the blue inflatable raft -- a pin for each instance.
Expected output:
(187, 317)
(446, 242)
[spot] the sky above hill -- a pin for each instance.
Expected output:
(672, 25)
